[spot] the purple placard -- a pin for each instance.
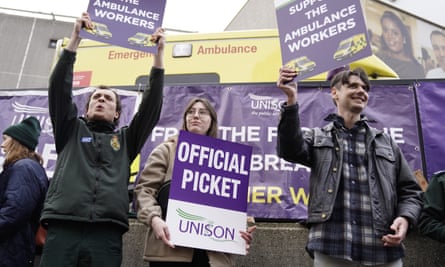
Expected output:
(127, 23)
(431, 99)
(211, 171)
(317, 36)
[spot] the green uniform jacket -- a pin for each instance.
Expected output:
(93, 163)
(432, 218)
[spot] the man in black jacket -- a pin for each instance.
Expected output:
(86, 207)
(363, 195)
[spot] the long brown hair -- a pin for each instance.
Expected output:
(17, 151)
(213, 129)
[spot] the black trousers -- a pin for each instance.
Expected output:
(200, 259)
(82, 245)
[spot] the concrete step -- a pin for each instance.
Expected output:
(283, 245)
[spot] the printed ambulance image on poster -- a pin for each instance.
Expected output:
(100, 30)
(302, 64)
(350, 46)
(141, 39)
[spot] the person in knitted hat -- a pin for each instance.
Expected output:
(23, 186)
(26, 132)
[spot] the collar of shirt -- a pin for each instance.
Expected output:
(101, 126)
(339, 122)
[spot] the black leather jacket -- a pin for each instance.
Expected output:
(394, 189)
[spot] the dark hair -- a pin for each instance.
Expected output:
(407, 46)
(342, 78)
(118, 101)
(213, 129)
(437, 32)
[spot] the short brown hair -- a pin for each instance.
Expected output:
(437, 32)
(213, 129)
(342, 78)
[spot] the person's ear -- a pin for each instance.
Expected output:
(334, 93)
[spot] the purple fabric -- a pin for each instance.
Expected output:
(249, 114)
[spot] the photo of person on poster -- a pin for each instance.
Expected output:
(438, 44)
(396, 48)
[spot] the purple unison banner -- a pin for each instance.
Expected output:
(125, 23)
(249, 114)
(431, 99)
(208, 193)
(320, 35)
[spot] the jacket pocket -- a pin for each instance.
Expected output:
(385, 161)
(323, 141)
(385, 152)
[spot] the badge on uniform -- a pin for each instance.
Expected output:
(114, 142)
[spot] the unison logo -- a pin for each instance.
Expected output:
(265, 102)
(20, 108)
(198, 225)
